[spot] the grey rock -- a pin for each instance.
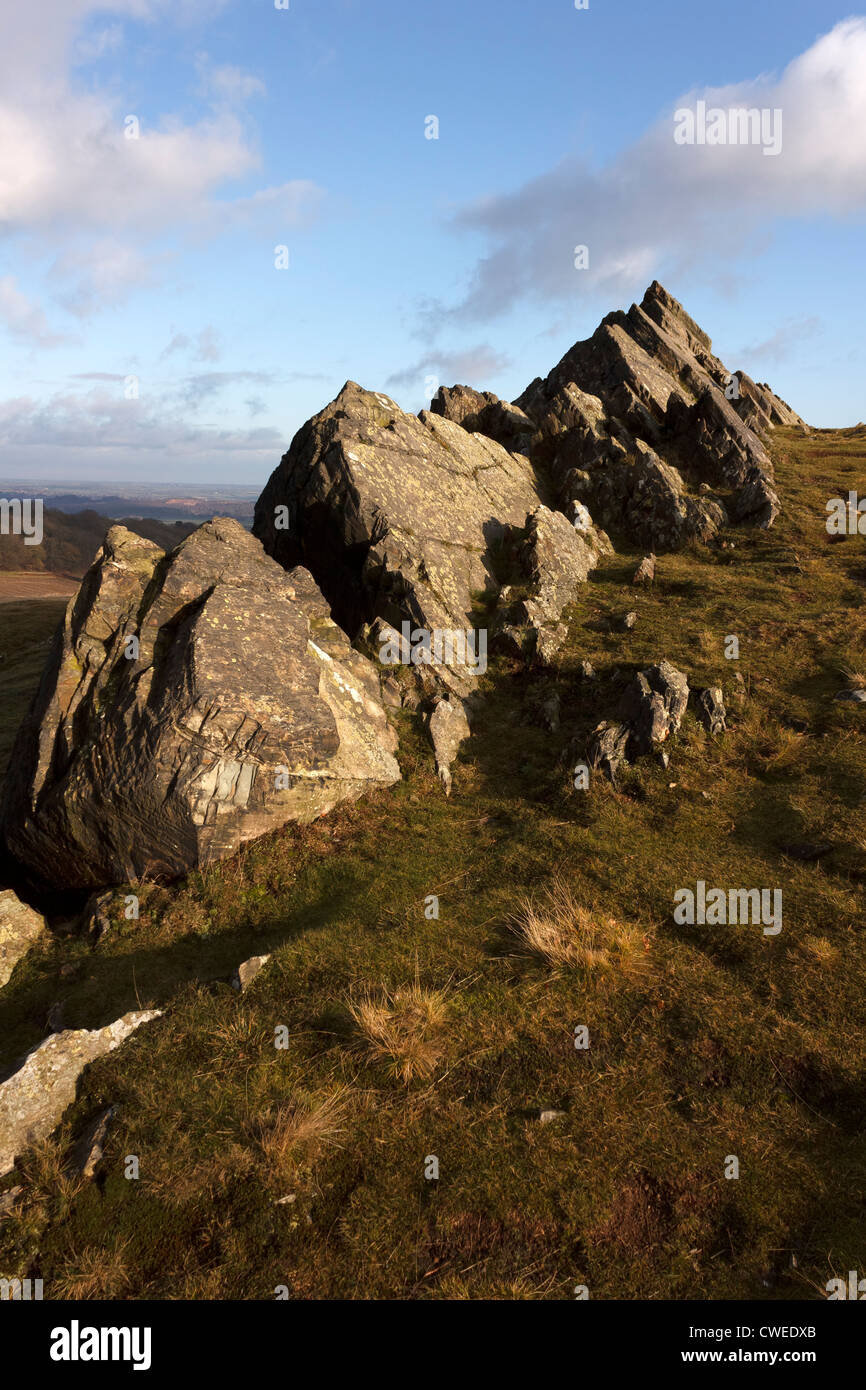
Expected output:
(711, 709)
(245, 708)
(653, 706)
(20, 929)
(586, 670)
(608, 747)
(34, 1098)
(448, 726)
(395, 514)
(247, 971)
(856, 696)
(88, 1152)
(648, 380)
(646, 571)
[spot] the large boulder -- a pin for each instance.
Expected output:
(33, 1099)
(395, 514)
(192, 701)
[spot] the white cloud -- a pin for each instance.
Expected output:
(475, 365)
(25, 321)
(69, 175)
(661, 207)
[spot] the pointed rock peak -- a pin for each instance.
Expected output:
(668, 313)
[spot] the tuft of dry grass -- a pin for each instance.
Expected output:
(401, 1029)
(290, 1134)
(98, 1272)
(559, 930)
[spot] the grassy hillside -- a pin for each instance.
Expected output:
(26, 629)
(411, 1036)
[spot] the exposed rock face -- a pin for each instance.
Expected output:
(395, 514)
(20, 928)
(631, 421)
(88, 1152)
(239, 706)
(34, 1098)
(555, 558)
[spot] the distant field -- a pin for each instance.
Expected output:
(30, 584)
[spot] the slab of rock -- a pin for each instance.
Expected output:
(20, 929)
(88, 1152)
(192, 701)
(482, 412)
(34, 1098)
(448, 727)
(248, 970)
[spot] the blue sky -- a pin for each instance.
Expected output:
(412, 261)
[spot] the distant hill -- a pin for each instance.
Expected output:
(71, 539)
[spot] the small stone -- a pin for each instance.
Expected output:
(646, 570)
(9, 1199)
(856, 696)
(626, 622)
(547, 1116)
(586, 671)
(711, 710)
(664, 758)
(88, 1152)
(247, 971)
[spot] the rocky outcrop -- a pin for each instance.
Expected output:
(633, 419)
(192, 701)
(403, 520)
(653, 706)
(20, 929)
(33, 1099)
(651, 709)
